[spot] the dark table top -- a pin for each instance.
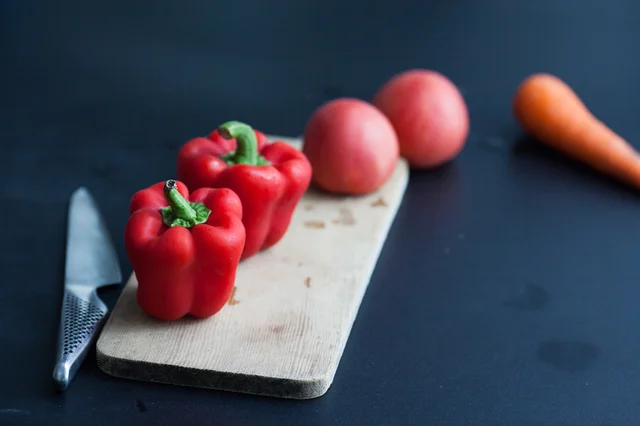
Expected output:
(506, 292)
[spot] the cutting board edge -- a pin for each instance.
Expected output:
(143, 371)
(370, 272)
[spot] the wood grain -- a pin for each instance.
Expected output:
(285, 327)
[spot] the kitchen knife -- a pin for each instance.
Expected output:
(91, 262)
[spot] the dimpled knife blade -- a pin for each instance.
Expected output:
(91, 262)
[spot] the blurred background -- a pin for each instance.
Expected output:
(139, 70)
(81, 78)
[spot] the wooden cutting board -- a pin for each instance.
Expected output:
(284, 329)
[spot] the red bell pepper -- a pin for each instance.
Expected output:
(184, 249)
(269, 178)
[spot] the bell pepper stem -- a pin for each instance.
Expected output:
(247, 144)
(181, 212)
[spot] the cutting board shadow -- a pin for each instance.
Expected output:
(284, 329)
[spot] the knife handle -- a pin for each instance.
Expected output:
(82, 316)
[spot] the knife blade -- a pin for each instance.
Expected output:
(91, 262)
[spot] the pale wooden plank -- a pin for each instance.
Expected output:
(284, 330)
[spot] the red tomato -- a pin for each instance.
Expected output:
(351, 145)
(429, 115)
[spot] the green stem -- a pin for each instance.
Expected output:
(181, 212)
(247, 144)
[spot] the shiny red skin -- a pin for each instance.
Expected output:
(184, 271)
(269, 193)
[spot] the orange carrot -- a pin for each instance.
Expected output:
(548, 109)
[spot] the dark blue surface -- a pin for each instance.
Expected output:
(507, 292)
